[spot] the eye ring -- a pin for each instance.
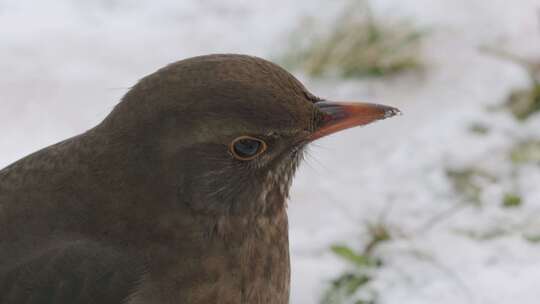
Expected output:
(247, 147)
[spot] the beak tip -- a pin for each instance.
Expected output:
(391, 112)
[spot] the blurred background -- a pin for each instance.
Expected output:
(440, 205)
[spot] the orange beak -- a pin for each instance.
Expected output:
(337, 116)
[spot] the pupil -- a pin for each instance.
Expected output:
(247, 147)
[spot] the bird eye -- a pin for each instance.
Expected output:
(247, 147)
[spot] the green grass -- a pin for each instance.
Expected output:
(352, 286)
(512, 200)
(357, 45)
(479, 129)
(526, 152)
(535, 239)
(468, 183)
(524, 102)
(521, 102)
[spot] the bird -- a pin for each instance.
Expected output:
(178, 196)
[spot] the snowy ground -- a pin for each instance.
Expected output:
(64, 66)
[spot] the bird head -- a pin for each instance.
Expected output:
(227, 132)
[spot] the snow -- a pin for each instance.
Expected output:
(65, 65)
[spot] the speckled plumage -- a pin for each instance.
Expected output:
(150, 207)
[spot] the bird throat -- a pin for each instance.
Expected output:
(243, 253)
(278, 181)
(263, 257)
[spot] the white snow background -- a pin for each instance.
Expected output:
(65, 64)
